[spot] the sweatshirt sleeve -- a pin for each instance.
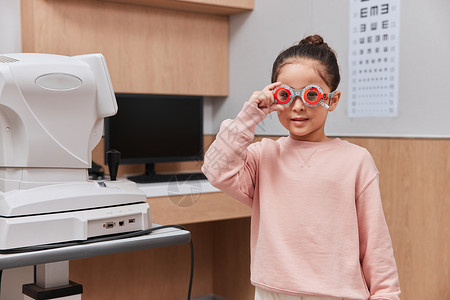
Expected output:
(230, 164)
(376, 253)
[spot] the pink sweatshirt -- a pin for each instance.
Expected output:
(317, 226)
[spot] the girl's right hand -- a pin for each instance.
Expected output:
(264, 99)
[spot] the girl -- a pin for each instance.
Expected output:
(317, 229)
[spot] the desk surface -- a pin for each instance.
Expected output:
(174, 188)
(158, 238)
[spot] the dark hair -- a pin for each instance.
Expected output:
(312, 47)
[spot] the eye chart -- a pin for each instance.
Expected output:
(374, 58)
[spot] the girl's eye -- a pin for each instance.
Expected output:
(282, 95)
(312, 96)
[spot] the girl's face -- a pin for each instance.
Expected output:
(303, 122)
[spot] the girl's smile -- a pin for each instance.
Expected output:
(299, 121)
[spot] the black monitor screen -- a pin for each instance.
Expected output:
(152, 128)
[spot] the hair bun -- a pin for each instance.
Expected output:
(312, 40)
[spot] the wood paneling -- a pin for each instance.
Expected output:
(148, 50)
(415, 189)
(232, 260)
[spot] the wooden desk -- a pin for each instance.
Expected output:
(220, 230)
(196, 208)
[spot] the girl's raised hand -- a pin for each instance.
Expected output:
(264, 99)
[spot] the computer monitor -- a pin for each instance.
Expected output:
(150, 128)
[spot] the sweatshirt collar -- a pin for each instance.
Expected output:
(288, 141)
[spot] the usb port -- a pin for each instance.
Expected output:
(109, 225)
(131, 220)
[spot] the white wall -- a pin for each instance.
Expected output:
(257, 37)
(10, 34)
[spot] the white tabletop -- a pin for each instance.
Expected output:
(173, 188)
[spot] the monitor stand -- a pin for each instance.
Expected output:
(147, 176)
(151, 177)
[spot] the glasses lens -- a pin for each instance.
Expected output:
(282, 96)
(312, 96)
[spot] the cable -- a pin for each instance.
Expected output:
(104, 239)
(191, 276)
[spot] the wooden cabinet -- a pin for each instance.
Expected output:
(148, 49)
(221, 7)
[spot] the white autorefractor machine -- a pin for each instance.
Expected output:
(51, 118)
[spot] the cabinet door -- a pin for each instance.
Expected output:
(147, 49)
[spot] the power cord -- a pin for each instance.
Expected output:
(104, 239)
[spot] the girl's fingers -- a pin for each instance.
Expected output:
(271, 86)
(264, 99)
